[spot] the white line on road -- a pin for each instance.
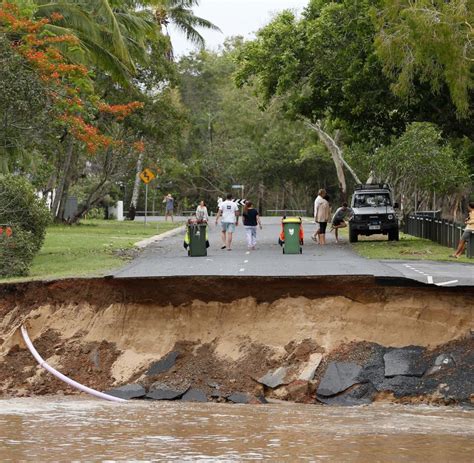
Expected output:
(430, 280)
(248, 252)
(446, 283)
(246, 261)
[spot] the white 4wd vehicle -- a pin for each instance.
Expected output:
(373, 212)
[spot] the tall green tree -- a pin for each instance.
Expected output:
(429, 41)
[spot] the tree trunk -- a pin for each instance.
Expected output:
(336, 153)
(136, 185)
(64, 180)
(261, 192)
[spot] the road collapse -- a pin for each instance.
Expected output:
(325, 340)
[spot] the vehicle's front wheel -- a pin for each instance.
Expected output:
(353, 236)
(393, 235)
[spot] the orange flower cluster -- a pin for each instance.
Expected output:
(87, 133)
(56, 17)
(65, 80)
(120, 111)
(139, 146)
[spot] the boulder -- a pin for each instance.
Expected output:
(239, 398)
(359, 394)
(164, 364)
(406, 361)
(274, 378)
(444, 360)
(161, 391)
(310, 367)
(127, 392)
(338, 377)
(194, 395)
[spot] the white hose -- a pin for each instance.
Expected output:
(59, 375)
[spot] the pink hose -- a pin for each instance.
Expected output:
(60, 376)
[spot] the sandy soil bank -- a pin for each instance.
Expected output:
(108, 332)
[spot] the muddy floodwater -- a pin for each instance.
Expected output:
(66, 429)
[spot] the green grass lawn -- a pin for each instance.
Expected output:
(408, 248)
(91, 248)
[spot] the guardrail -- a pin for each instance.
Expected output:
(162, 214)
(283, 212)
(444, 232)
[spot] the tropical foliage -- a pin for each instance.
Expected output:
(91, 94)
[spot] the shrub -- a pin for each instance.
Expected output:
(28, 217)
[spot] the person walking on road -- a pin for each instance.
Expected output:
(169, 207)
(468, 232)
(251, 220)
(322, 213)
(339, 219)
(201, 212)
(229, 211)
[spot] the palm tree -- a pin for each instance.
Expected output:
(180, 14)
(113, 34)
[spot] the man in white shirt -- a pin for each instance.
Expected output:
(229, 211)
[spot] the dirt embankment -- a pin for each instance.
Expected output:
(228, 333)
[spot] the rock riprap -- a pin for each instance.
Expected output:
(128, 391)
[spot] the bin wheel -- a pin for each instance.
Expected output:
(301, 250)
(283, 250)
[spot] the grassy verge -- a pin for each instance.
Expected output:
(408, 248)
(89, 249)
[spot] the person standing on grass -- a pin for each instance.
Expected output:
(468, 232)
(339, 219)
(169, 206)
(229, 211)
(322, 212)
(251, 220)
(201, 212)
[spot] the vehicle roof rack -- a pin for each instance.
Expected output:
(373, 186)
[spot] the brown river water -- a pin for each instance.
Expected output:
(65, 429)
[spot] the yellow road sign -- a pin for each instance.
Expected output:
(147, 176)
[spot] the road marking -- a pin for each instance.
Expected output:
(242, 270)
(248, 252)
(446, 283)
(430, 280)
(246, 261)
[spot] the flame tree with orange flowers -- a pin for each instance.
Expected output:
(78, 113)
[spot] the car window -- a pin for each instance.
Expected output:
(372, 200)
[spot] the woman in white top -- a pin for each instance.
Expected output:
(201, 212)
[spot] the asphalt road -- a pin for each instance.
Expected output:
(169, 258)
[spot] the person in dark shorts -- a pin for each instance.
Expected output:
(339, 219)
(468, 232)
(322, 213)
(251, 221)
(168, 200)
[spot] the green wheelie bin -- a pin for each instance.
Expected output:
(197, 239)
(292, 235)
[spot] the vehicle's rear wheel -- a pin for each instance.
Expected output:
(353, 237)
(393, 235)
